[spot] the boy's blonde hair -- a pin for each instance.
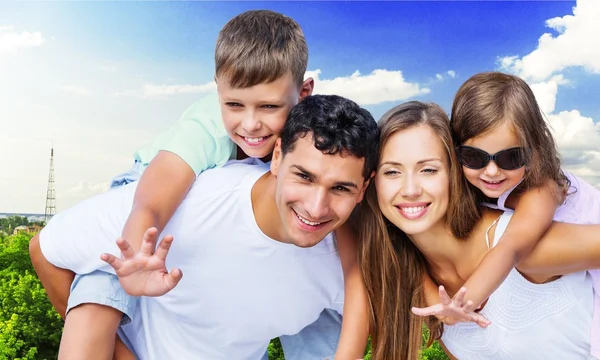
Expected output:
(258, 47)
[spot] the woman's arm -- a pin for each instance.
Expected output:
(564, 249)
(450, 356)
(355, 324)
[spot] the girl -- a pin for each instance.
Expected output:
(406, 233)
(510, 159)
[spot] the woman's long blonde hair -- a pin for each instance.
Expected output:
(393, 268)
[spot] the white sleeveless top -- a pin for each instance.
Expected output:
(529, 321)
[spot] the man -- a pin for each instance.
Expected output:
(254, 243)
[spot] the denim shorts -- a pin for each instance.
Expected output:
(104, 288)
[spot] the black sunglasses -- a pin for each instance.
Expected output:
(507, 159)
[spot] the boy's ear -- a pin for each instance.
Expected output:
(307, 88)
(276, 158)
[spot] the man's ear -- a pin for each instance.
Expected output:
(307, 88)
(276, 158)
(365, 186)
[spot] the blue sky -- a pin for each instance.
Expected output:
(102, 78)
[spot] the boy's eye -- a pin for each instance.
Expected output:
(233, 104)
(271, 106)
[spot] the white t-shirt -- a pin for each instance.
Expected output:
(529, 321)
(240, 288)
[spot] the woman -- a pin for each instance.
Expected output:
(407, 233)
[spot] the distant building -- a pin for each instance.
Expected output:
(32, 229)
(20, 229)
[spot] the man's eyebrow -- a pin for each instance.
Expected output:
(313, 177)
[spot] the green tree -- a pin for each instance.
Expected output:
(29, 326)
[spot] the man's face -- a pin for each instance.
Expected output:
(254, 116)
(315, 192)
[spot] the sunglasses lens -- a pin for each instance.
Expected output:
(511, 159)
(472, 158)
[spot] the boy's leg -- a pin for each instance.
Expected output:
(97, 306)
(317, 341)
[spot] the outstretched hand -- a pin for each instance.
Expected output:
(453, 310)
(144, 273)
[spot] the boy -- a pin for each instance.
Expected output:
(260, 61)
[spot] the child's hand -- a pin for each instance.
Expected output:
(450, 311)
(144, 273)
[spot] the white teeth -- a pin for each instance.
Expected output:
(413, 209)
(255, 140)
(495, 182)
(307, 222)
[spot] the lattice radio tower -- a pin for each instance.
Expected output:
(51, 193)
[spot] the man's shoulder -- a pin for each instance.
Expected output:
(232, 176)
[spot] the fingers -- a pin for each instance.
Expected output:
(163, 248)
(149, 241)
(172, 279)
(427, 311)
(480, 320)
(112, 260)
(126, 249)
(460, 295)
(444, 297)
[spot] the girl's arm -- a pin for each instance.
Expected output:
(533, 215)
(355, 323)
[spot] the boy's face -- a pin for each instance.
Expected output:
(315, 192)
(254, 117)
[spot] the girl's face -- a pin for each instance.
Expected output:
(493, 180)
(412, 180)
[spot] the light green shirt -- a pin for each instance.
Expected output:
(199, 138)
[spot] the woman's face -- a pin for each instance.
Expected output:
(412, 180)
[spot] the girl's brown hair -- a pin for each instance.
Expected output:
(488, 100)
(393, 268)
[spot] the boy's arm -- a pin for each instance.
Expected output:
(162, 187)
(532, 218)
(355, 324)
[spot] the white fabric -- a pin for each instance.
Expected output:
(240, 288)
(529, 321)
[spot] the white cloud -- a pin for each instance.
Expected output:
(150, 91)
(82, 190)
(577, 43)
(11, 41)
(574, 132)
(451, 73)
(75, 89)
(439, 77)
(375, 88)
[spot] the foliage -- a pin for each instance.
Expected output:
(29, 326)
(8, 224)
